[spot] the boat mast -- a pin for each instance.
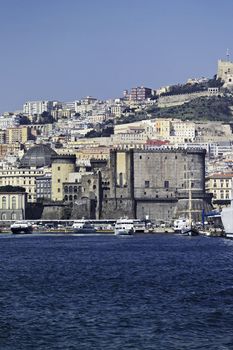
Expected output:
(190, 203)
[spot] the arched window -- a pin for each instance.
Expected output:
(66, 189)
(13, 202)
(75, 189)
(66, 197)
(13, 216)
(3, 216)
(3, 202)
(70, 188)
(70, 197)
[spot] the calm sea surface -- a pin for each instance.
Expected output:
(115, 293)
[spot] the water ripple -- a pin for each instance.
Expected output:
(148, 292)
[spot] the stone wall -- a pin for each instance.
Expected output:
(155, 183)
(176, 100)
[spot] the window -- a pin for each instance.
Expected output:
(59, 180)
(58, 168)
(166, 184)
(13, 203)
(13, 216)
(58, 190)
(147, 184)
(121, 180)
(3, 202)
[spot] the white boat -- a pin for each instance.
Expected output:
(180, 225)
(124, 227)
(183, 227)
(21, 227)
(83, 226)
(139, 226)
(227, 220)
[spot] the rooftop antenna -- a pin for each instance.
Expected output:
(228, 55)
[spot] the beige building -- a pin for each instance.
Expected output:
(62, 166)
(225, 68)
(220, 186)
(13, 148)
(87, 153)
(25, 178)
(12, 205)
(182, 131)
(163, 127)
(20, 134)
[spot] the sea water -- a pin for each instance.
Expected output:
(115, 293)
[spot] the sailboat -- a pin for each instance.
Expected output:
(185, 226)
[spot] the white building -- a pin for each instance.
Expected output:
(37, 107)
(9, 121)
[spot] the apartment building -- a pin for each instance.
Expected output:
(37, 107)
(220, 184)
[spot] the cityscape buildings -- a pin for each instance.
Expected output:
(102, 159)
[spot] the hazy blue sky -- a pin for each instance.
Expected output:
(67, 49)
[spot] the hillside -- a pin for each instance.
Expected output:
(215, 108)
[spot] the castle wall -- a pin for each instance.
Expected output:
(155, 183)
(157, 211)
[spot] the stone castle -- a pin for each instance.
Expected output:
(147, 183)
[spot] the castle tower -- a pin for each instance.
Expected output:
(62, 166)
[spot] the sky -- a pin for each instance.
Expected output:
(68, 49)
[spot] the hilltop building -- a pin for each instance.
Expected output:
(140, 93)
(37, 107)
(225, 73)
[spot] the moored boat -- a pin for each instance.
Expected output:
(83, 226)
(124, 227)
(227, 220)
(21, 227)
(139, 226)
(182, 226)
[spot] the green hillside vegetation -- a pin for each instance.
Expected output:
(215, 108)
